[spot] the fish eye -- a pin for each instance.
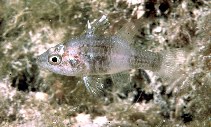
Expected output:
(54, 59)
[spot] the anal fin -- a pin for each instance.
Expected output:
(122, 81)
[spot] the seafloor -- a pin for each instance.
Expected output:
(33, 97)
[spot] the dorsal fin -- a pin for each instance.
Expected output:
(128, 31)
(97, 26)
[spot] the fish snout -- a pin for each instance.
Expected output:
(41, 59)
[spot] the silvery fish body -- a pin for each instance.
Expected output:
(94, 54)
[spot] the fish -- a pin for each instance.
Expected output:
(94, 54)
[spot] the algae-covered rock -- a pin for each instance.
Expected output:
(32, 97)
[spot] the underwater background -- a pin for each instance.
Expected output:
(33, 97)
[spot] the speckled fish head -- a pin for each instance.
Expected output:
(61, 60)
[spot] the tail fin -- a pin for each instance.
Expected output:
(172, 64)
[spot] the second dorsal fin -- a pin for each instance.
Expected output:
(128, 31)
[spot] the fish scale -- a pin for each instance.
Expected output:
(146, 60)
(97, 58)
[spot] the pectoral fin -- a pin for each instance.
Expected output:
(94, 85)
